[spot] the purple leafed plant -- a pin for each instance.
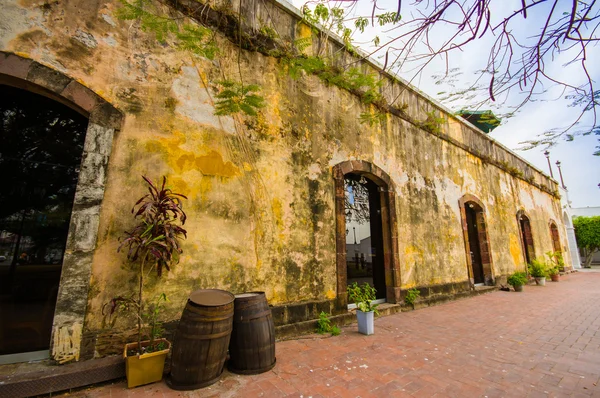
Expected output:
(155, 240)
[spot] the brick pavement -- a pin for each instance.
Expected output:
(544, 342)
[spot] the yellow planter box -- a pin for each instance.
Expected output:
(145, 368)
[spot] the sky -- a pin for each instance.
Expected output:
(580, 168)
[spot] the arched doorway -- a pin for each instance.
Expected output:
(104, 122)
(41, 144)
(526, 236)
(555, 237)
(364, 234)
(366, 246)
(479, 260)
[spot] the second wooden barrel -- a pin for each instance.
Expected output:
(252, 344)
(201, 340)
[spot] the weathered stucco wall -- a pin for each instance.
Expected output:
(261, 202)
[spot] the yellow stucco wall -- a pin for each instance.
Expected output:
(260, 192)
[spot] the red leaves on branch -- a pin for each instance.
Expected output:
(157, 235)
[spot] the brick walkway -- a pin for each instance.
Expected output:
(542, 342)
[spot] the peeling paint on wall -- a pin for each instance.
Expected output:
(67, 341)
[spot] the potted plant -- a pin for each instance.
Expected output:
(152, 245)
(363, 296)
(553, 273)
(555, 265)
(517, 281)
(537, 269)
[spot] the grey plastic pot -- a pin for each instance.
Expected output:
(541, 280)
(366, 324)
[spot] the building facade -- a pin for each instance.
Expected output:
(269, 195)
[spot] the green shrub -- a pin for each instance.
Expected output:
(555, 262)
(362, 296)
(538, 269)
(411, 296)
(324, 325)
(517, 279)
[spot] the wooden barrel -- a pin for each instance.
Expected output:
(201, 340)
(252, 344)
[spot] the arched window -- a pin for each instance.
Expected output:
(555, 237)
(526, 236)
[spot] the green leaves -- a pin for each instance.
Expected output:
(387, 18)
(362, 296)
(587, 232)
(303, 43)
(143, 11)
(197, 39)
(310, 65)
(324, 325)
(372, 118)
(537, 268)
(361, 23)
(517, 279)
(433, 123)
(411, 296)
(236, 97)
(320, 15)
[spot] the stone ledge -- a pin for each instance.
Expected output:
(440, 299)
(59, 378)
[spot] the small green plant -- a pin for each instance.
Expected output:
(552, 271)
(517, 279)
(149, 319)
(363, 296)
(324, 325)
(433, 123)
(411, 296)
(537, 268)
(197, 39)
(372, 119)
(555, 262)
(269, 32)
(236, 97)
(154, 309)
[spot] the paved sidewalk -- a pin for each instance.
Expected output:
(542, 342)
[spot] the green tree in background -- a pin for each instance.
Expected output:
(587, 233)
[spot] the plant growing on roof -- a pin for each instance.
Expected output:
(154, 241)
